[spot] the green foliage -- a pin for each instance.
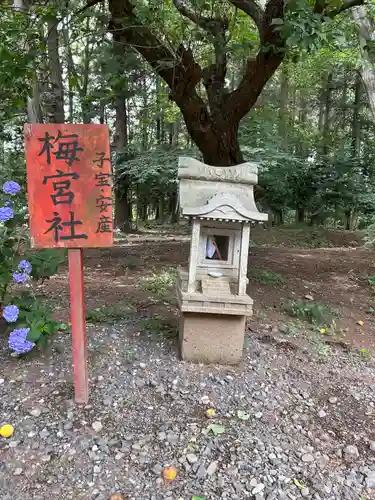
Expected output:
(107, 314)
(37, 316)
(45, 263)
(321, 347)
(159, 285)
(312, 312)
(290, 329)
(265, 277)
(15, 270)
(365, 354)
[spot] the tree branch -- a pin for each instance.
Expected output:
(259, 70)
(213, 75)
(346, 6)
(321, 6)
(251, 8)
(89, 4)
(205, 23)
(177, 68)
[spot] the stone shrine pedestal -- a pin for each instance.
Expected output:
(212, 291)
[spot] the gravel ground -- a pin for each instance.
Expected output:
(288, 424)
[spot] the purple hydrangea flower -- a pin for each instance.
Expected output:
(18, 341)
(10, 313)
(11, 187)
(25, 266)
(6, 213)
(20, 277)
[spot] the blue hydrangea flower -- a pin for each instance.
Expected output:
(18, 341)
(20, 277)
(25, 266)
(10, 313)
(11, 187)
(6, 213)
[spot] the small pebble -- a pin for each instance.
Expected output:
(97, 426)
(191, 458)
(212, 468)
(351, 453)
(258, 488)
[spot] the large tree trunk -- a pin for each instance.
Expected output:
(122, 202)
(159, 115)
(224, 150)
(57, 98)
(365, 33)
(300, 214)
(356, 124)
(283, 109)
(326, 124)
(213, 127)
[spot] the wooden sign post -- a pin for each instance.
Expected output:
(69, 180)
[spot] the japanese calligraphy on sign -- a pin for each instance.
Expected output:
(69, 182)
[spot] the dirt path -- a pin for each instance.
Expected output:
(336, 278)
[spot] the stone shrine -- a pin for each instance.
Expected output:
(212, 291)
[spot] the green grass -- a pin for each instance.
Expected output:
(291, 329)
(264, 277)
(320, 347)
(312, 312)
(159, 284)
(107, 314)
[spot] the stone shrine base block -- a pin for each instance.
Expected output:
(212, 338)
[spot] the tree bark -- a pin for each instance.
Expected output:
(365, 33)
(326, 114)
(57, 108)
(356, 124)
(85, 106)
(122, 202)
(159, 117)
(283, 109)
(300, 214)
(213, 126)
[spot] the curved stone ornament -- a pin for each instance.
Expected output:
(226, 206)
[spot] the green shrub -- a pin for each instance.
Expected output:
(107, 314)
(313, 312)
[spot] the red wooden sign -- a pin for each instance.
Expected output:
(69, 181)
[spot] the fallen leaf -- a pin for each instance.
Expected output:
(194, 497)
(360, 322)
(323, 331)
(169, 473)
(116, 496)
(298, 484)
(371, 310)
(216, 429)
(210, 413)
(242, 415)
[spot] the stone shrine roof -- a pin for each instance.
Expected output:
(218, 193)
